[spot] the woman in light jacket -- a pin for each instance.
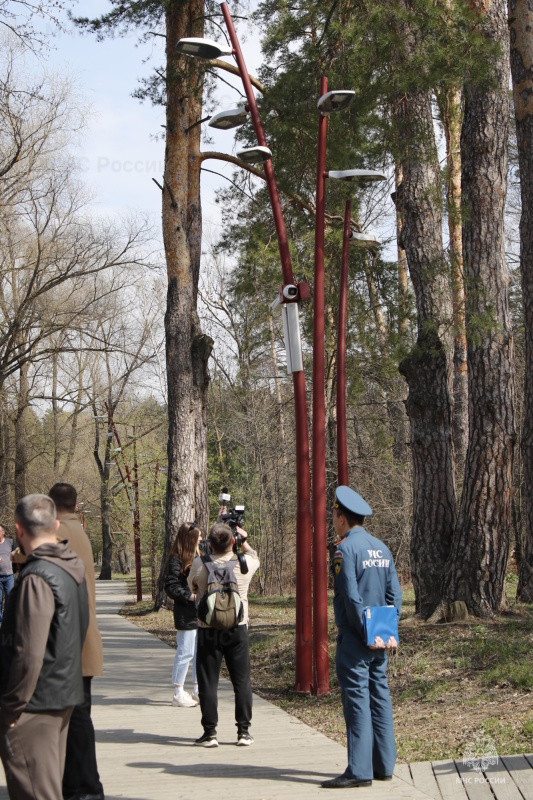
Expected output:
(182, 553)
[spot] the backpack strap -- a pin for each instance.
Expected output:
(208, 558)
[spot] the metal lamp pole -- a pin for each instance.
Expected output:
(328, 103)
(304, 634)
(320, 582)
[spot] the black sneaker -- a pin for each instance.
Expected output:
(244, 740)
(207, 740)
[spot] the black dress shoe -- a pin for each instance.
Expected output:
(342, 782)
(382, 777)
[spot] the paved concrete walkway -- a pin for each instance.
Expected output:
(145, 745)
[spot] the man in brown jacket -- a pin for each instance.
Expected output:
(81, 780)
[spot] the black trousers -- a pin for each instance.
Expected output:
(81, 771)
(233, 646)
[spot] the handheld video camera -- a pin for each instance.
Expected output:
(234, 518)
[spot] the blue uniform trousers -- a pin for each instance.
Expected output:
(367, 707)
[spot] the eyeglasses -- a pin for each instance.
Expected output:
(192, 526)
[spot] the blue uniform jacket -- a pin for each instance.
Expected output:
(365, 575)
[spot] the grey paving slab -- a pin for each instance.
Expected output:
(403, 772)
(448, 779)
(502, 783)
(424, 779)
(477, 786)
(522, 774)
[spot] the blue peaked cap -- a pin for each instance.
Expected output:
(352, 501)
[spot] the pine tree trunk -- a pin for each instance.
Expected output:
(451, 113)
(521, 24)
(396, 406)
(403, 283)
(476, 573)
(427, 368)
(187, 350)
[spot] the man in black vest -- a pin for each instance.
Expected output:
(41, 638)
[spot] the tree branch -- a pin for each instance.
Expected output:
(217, 62)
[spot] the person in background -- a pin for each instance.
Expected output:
(6, 568)
(180, 558)
(81, 780)
(41, 639)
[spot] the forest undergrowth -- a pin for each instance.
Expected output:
(452, 685)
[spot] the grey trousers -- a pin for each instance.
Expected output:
(33, 755)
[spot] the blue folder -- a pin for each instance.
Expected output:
(380, 621)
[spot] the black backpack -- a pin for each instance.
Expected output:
(221, 606)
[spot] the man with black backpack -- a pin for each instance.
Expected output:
(221, 583)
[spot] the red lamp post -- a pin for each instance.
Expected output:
(320, 582)
(303, 681)
(328, 103)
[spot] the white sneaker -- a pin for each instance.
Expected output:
(183, 700)
(196, 696)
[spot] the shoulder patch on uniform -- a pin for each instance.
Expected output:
(337, 561)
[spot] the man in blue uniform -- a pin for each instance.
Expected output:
(364, 575)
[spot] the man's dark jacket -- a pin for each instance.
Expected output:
(58, 684)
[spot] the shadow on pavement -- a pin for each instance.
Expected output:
(234, 771)
(128, 736)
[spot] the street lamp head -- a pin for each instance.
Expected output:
(335, 101)
(202, 48)
(363, 175)
(365, 240)
(255, 155)
(231, 118)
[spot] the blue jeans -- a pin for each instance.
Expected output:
(367, 707)
(6, 584)
(186, 652)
